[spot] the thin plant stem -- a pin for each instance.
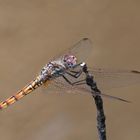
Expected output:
(101, 126)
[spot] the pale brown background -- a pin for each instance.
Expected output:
(32, 31)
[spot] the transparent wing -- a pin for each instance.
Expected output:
(64, 88)
(108, 78)
(81, 50)
(59, 85)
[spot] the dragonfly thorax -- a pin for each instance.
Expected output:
(52, 70)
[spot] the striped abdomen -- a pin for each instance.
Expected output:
(23, 92)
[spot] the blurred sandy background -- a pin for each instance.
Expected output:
(32, 32)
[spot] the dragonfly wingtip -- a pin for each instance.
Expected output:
(135, 71)
(85, 38)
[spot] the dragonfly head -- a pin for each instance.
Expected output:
(70, 61)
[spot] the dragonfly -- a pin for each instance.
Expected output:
(64, 73)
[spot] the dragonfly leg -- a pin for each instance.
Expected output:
(67, 80)
(76, 73)
(80, 82)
